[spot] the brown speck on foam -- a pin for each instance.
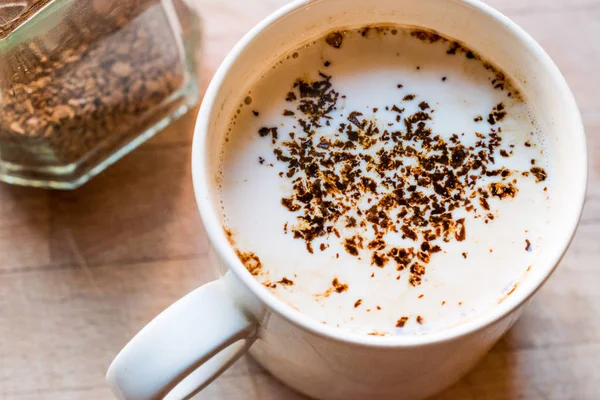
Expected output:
(401, 322)
(334, 39)
(269, 285)
(286, 282)
(512, 289)
(338, 286)
(251, 261)
(539, 173)
(420, 320)
(502, 190)
(357, 303)
(378, 333)
(527, 245)
(497, 114)
(229, 235)
(509, 292)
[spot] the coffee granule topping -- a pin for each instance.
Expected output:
(357, 303)
(401, 322)
(367, 181)
(251, 261)
(377, 333)
(539, 173)
(379, 259)
(334, 39)
(286, 282)
(503, 190)
(527, 245)
(338, 286)
(350, 247)
(420, 320)
(497, 114)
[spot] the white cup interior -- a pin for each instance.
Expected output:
(482, 29)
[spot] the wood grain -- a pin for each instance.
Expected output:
(82, 271)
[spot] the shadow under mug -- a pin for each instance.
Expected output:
(188, 345)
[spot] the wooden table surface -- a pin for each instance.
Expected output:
(82, 271)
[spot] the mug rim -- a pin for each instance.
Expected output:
(219, 241)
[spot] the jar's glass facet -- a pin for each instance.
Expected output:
(82, 82)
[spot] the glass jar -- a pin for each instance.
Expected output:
(83, 82)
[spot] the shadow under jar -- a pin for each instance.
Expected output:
(83, 82)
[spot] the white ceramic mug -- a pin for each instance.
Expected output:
(193, 341)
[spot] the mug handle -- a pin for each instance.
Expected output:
(197, 337)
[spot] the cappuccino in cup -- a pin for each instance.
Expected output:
(386, 180)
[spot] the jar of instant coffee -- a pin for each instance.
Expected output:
(83, 82)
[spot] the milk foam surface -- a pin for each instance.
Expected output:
(374, 71)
